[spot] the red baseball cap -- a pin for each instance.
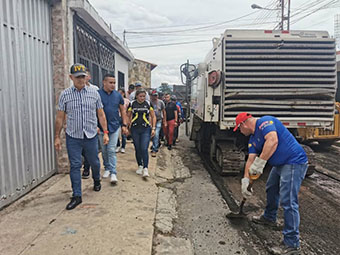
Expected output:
(241, 117)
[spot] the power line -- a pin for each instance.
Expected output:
(315, 10)
(168, 44)
(198, 28)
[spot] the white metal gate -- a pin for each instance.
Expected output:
(26, 97)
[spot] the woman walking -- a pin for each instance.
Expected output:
(142, 123)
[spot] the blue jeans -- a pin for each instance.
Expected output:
(86, 162)
(155, 139)
(283, 186)
(123, 141)
(141, 138)
(75, 147)
(109, 151)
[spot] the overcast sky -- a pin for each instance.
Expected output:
(158, 17)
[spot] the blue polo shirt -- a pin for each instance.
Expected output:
(111, 104)
(288, 150)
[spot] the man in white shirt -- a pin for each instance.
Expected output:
(88, 78)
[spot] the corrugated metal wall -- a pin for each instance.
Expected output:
(26, 97)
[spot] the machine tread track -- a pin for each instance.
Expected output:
(230, 159)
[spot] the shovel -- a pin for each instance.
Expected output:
(240, 214)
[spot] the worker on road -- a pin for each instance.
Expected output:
(270, 141)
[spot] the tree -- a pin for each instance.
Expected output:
(164, 88)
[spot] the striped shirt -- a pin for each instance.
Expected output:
(81, 109)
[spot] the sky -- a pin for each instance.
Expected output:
(182, 22)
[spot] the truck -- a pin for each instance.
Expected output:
(287, 74)
(324, 136)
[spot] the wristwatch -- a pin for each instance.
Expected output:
(124, 125)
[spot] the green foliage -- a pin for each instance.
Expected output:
(164, 88)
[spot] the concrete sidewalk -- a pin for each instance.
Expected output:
(117, 220)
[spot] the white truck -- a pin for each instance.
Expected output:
(287, 74)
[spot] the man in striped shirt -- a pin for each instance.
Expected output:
(82, 105)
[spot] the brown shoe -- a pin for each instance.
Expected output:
(153, 154)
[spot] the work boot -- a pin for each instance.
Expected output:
(75, 201)
(283, 249)
(263, 221)
(97, 186)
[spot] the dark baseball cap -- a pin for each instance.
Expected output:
(78, 70)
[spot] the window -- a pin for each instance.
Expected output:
(121, 80)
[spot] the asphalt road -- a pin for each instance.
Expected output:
(319, 205)
(319, 208)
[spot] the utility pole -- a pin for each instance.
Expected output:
(285, 15)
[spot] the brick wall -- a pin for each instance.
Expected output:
(60, 67)
(140, 71)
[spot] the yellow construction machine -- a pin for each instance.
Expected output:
(325, 137)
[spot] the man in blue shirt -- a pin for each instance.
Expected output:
(113, 104)
(82, 105)
(270, 141)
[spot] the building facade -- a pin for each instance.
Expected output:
(141, 72)
(39, 41)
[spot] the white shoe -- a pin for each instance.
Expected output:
(145, 172)
(122, 150)
(106, 174)
(139, 170)
(117, 149)
(114, 179)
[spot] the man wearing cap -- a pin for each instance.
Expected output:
(159, 109)
(270, 141)
(138, 85)
(130, 90)
(82, 105)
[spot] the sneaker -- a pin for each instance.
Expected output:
(139, 170)
(106, 174)
(169, 147)
(153, 154)
(145, 172)
(97, 186)
(86, 174)
(117, 149)
(263, 221)
(284, 249)
(122, 150)
(114, 179)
